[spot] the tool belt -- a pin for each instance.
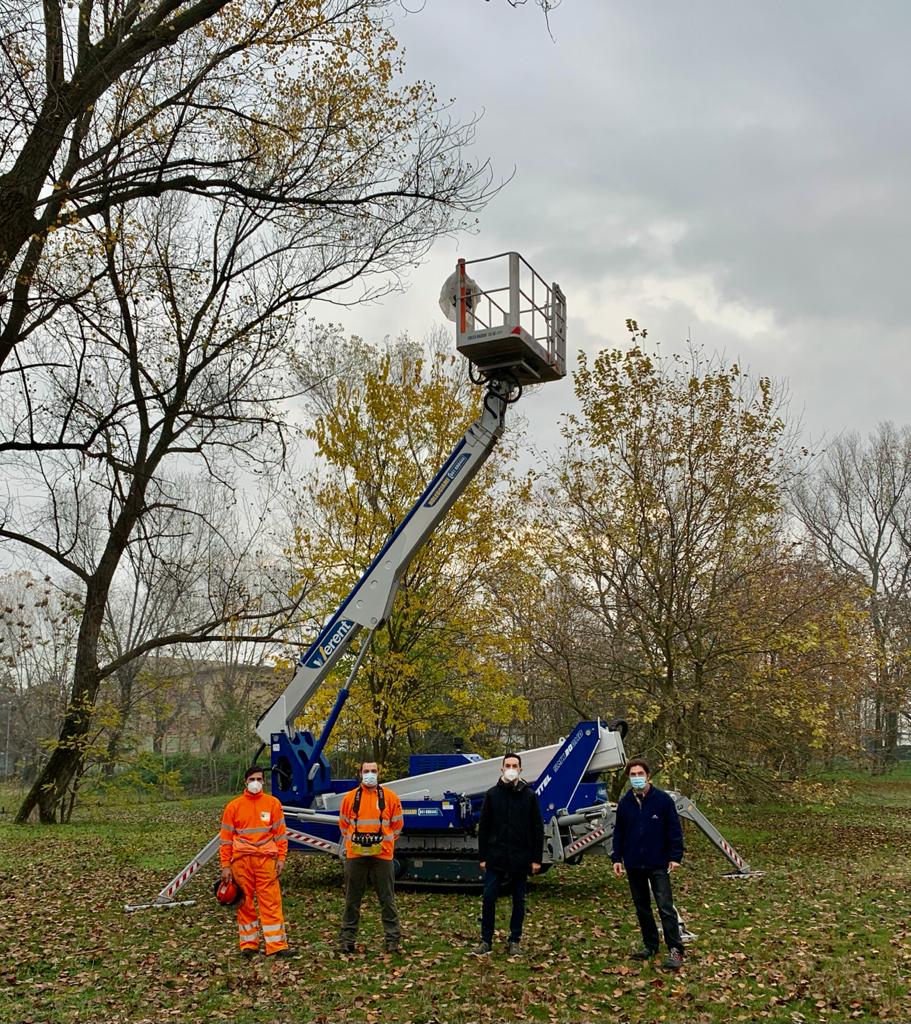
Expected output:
(368, 844)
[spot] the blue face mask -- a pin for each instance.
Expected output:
(638, 781)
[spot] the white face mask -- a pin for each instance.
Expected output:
(255, 786)
(369, 779)
(510, 774)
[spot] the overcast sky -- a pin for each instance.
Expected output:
(736, 170)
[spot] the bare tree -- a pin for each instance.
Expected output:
(295, 106)
(38, 627)
(169, 582)
(187, 348)
(258, 162)
(857, 509)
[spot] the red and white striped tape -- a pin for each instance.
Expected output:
(318, 844)
(732, 853)
(180, 880)
(586, 840)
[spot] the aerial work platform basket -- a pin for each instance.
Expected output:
(513, 323)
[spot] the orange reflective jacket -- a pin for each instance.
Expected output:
(253, 824)
(367, 819)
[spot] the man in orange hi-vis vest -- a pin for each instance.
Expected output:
(254, 845)
(370, 819)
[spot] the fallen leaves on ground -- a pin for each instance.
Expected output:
(822, 937)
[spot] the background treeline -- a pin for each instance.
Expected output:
(681, 562)
(195, 467)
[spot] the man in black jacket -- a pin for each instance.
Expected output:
(510, 845)
(648, 843)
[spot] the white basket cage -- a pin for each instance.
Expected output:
(509, 320)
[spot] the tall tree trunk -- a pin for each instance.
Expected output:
(890, 739)
(68, 759)
(49, 790)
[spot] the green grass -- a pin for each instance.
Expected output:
(824, 936)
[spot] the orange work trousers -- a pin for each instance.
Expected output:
(256, 875)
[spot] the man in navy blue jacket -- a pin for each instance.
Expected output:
(648, 844)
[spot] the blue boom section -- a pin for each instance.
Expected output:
(556, 786)
(369, 602)
(338, 627)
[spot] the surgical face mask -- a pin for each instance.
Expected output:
(510, 774)
(369, 779)
(255, 786)
(638, 781)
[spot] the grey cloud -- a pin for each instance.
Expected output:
(776, 137)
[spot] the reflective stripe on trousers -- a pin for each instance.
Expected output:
(256, 875)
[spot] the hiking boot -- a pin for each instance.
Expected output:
(513, 948)
(643, 954)
(674, 960)
(248, 954)
(285, 954)
(393, 946)
(481, 949)
(345, 947)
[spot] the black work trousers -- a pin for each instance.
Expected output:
(361, 872)
(659, 880)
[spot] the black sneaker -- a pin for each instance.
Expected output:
(643, 954)
(285, 954)
(674, 960)
(248, 954)
(345, 947)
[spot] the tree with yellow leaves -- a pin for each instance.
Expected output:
(439, 663)
(694, 615)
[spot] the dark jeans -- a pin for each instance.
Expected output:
(380, 875)
(660, 881)
(493, 879)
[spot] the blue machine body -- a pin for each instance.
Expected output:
(301, 774)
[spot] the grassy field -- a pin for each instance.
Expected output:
(824, 936)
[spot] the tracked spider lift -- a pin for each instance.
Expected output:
(513, 332)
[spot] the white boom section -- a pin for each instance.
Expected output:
(479, 776)
(370, 601)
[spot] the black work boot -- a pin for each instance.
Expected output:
(643, 954)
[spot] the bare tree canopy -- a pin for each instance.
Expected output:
(856, 507)
(298, 108)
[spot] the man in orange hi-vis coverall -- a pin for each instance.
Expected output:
(254, 845)
(370, 819)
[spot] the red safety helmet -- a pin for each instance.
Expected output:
(229, 894)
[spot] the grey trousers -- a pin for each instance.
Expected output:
(379, 874)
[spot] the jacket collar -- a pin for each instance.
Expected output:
(631, 793)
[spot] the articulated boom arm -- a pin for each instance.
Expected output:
(370, 600)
